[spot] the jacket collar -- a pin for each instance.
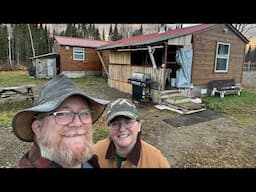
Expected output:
(133, 156)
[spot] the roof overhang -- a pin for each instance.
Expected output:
(44, 55)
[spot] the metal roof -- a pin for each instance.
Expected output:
(80, 42)
(158, 37)
(43, 55)
(139, 40)
(154, 38)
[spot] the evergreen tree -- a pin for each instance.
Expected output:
(110, 33)
(62, 33)
(103, 35)
(138, 31)
(48, 46)
(85, 31)
(17, 43)
(116, 36)
(93, 32)
(21, 43)
(42, 40)
(71, 30)
(79, 31)
(90, 31)
(115, 33)
(3, 44)
(97, 34)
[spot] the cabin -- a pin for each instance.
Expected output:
(187, 59)
(78, 56)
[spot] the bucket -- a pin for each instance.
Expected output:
(173, 82)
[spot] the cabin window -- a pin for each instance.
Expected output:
(78, 54)
(222, 57)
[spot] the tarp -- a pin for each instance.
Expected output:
(184, 59)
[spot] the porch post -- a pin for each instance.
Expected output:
(151, 51)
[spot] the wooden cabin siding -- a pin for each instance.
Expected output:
(119, 75)
(123, 72)
(184, 40)
(204, 50)
(120, 57)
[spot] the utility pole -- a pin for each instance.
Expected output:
(31, 39)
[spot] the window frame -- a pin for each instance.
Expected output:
(218, 56)
(78, 51)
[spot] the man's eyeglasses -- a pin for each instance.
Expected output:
(124, 123)
(66, 117)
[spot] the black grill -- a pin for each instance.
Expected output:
(140, 86)
(139, 83)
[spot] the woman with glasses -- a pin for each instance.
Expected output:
(60, 126)
(125, 148)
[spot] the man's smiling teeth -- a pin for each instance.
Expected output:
(122, 136)
(74, 133)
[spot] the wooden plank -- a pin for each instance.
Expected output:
(102, 62)
(140, 49)
(182, 110)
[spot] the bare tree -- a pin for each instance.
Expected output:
(248, 30)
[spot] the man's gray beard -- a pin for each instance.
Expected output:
(63, 155)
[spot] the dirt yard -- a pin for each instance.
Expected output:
(215, 143)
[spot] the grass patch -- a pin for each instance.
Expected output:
(190, 105)
(100, 133)
(15, 78)
(9, 109)
(240, 108)
(90, 81)
(179, 97)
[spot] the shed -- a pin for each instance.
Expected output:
(44, 66)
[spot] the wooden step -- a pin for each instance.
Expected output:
(169, 93)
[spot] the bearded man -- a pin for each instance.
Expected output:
(60, 126)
